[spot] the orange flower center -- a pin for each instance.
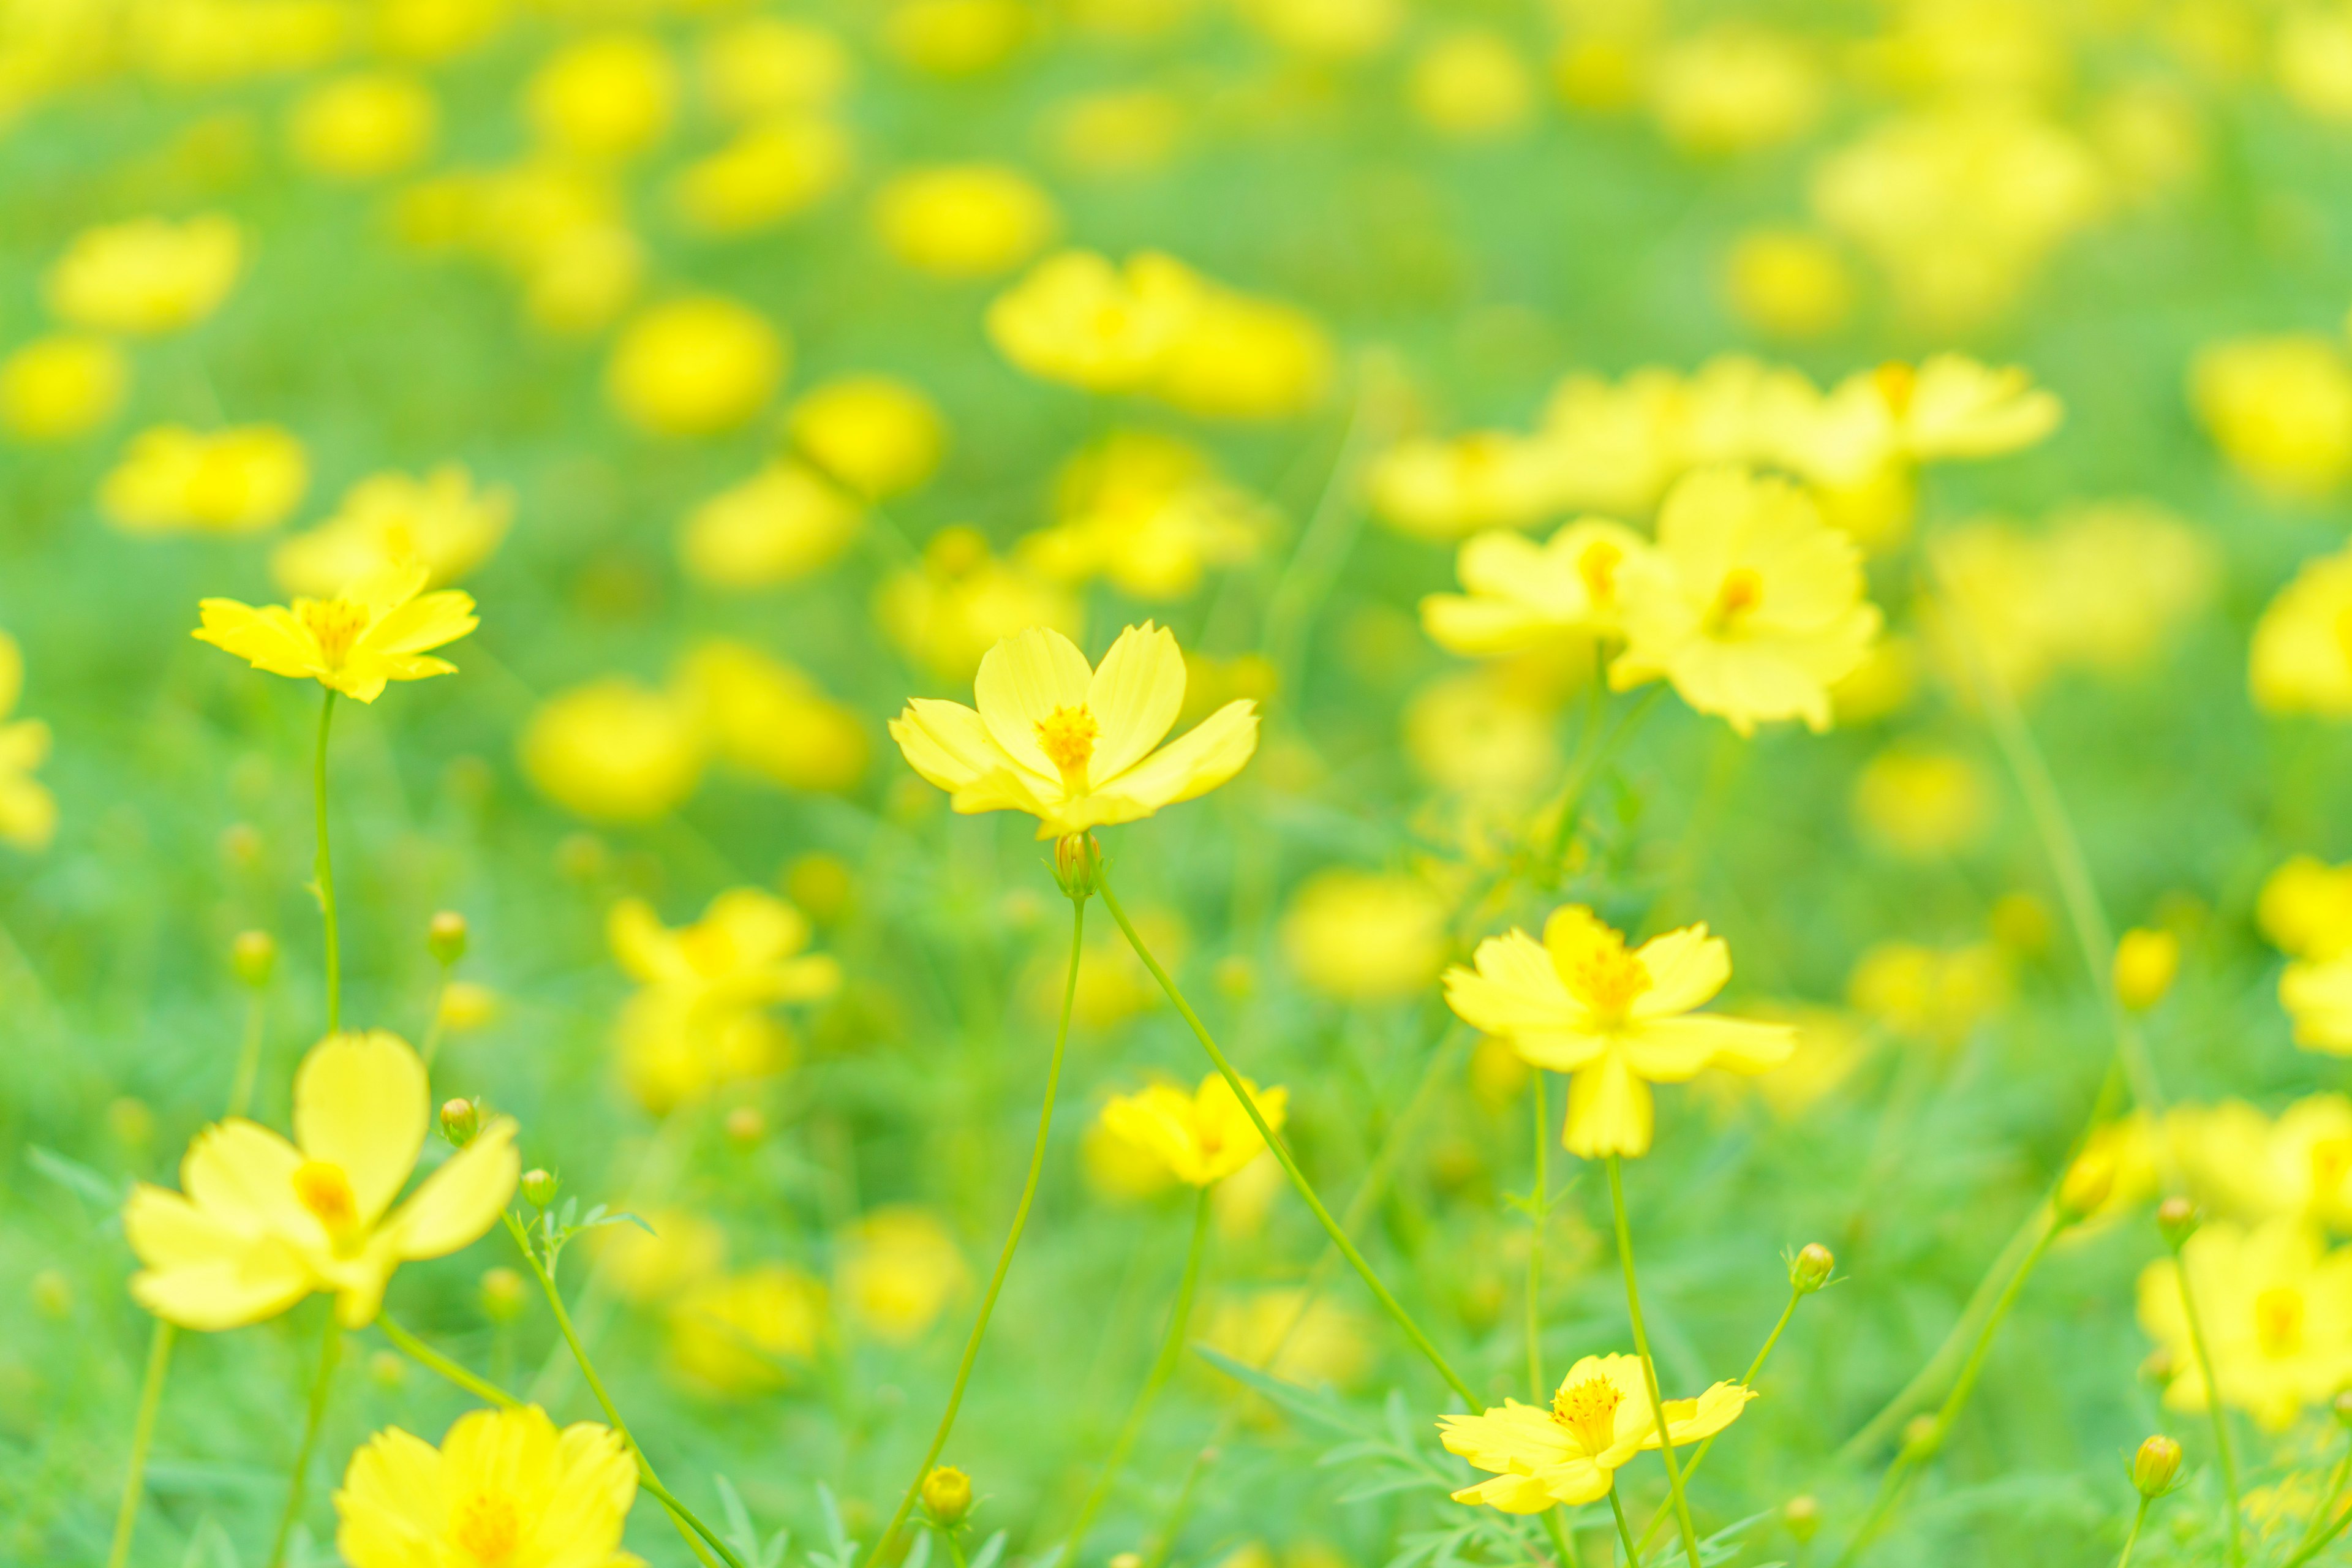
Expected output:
(2278, 1319)
(1597, 567)
(1742, 591)
(1897, 384)
(1588, 1411)
(1067, 737)
(2331, 1161)
(322, 1187)
(334, 624)
(1608, 977)
(486, 1529)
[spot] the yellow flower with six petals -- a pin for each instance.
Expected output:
(1600, 1419)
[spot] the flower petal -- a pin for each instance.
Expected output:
(1686, 967)
(362, 1102)
(1134, 696)
(1194, 765)
(1021, 681)
(461, 1200)
(1609, 1110)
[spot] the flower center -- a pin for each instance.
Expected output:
(322, 1187)
(1597, 567)
(486, 1529)
(1742, 591)
(1896, 383)
(1067, 737)
(1608, 977)
(335, 625)
(2331, 1161)
(1588, 1411)
(2278, 1321)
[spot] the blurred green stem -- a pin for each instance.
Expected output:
(330, 1350)
(434, 1026)
(1649, 1367)
(1755, 1370)
(1164, 1367)
(248, 1054)
(2222, 1444)
(2132, 1540)
(1594, 747)
(1536, 1202)
(143, 1436)
(1011, 1242)
(325, 867)
(2318, 1534)
(1305, 1189)
(1624, 1530)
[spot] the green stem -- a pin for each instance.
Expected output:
(434, 1027)
(1536, 1203)
(1649, 1366)
(1164, 1367)
(1558, 1534)
(330, 1349)
(1624, 1531)
(2132, 1540)
(2222, 1444)
(1012, 1244)
(1593, 751)
(143, 1436)
(248, 1055)
(2322, 1515)
(1755, 1370)
(2311, 1548)
(325, 868)
(1394, 1309)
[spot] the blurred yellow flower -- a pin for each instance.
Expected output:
(1077, 318)
(441, 521)
(1600, 1419)
(1789, 282)
(377, 630)
(955, 37)
(1201, 1138)
(58, 387)
(1521, 594)
(504, 1488)
(1363, 937)
(2146, 962)
(766, 715)
(2276, 1314)
(695, 366)
(1242, 357)
(28, 812)
(2243, 1163)
(1944, 407)
(1444, 488)
(2301, 660)
(265, 1222)
(1296, 1335)
(739, 1334)
(2280, 408)
(874, 434)
(2305, 907)
(1750, 605)
(1485, 736)
(782, 524)
(364, 126)
(1149, 513)
(2317, 995)
(1933, 995)
(946, 613)
(1330, 29)
(239, 480)
(149, 275)
(613, 750)
(1923, 803)
(1071, 745)
(1736, 86)
(964, 220)
(1580, 1002)
(1471, 84)
(603, 98)
(677, 1248)
(759, 66)
(770, 172)
(896, 1270)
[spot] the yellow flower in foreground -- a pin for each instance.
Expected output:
(505, 1487)
(2277, 1316)
(1522, 595)
(1201, 1138)
(264, 1223)
(2302, 658)
(1751, 604)
(1600, 1419)
(172, 479)
(149, 275)
(441, 519)
(1580, 1002)
(29, 813)
(375, 632)
(1073, 746)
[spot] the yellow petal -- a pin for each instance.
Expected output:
(391, 1505)
(242, 1174)
(360, 1101)
(1609, 1110)
(269, 638)
(1021, 681)
(417, 625)
(205, 1274)
(1134, 697)
(462, 1199)
(1196, 763)
(1686, 967)
(641, 944)
(1516, 987)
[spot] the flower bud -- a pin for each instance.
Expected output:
(2176, 1216)
(252, 956)
(1810, 1270)
(746, 1125)
(460, 1120)
(1802, 1515)
(1127, 1560)
(445, 938)
(2153, 1467)
(947, 1493)
(1078, 861)
(539, 1186)
(2146, 962)
(503, 1296)
(2086, 1185)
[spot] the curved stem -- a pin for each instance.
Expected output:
(2222, 1444)
(143, 1436)
(1164, 1367)
(1649, 1366)
(331, 1348)
(1536, 1203)
(1558, 1534)
(1755, 1369)
(325, 868)
(1305, 1189)
(1012, 1244)
(2132, 1540)
(1624, 1531)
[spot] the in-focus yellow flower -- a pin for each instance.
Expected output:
(1521, 595)
(441, 519)
(262, 1222)
(1600, 1419)
(780, 525)
(1364, 937)
(767, 174)
(2276, 1314)
(505, 1489)
(1203, 1137)
(58, 387)
(149, 275)
(1073, 746)
(377, 630)
(739, 1335)
(2280, 408)
(604, 97)
(897, 1269)
(961, 599)
(29, 813)
(1436, 489)
(238, 480)
(613, 750)
(1750, 604)
(874, 434)
(1580, 1002)
(2302, 656)
(695, 366)
(964, 220)
(363, 127)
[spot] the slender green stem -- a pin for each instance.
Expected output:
(435, 1027)
(1557, 1533)
(143, 1436)
(330, 1350)
(325, 868)
(1594, 748)
(1164, 1367)
(1012, 1244)
(1624, 1531)
(1649, 1366)
(1305, 1189)
(1206, 1455)
(2314, 1546)
(1536, 1202)
(248, 1054)
(2132, 1540)
(1755, 1370)
(2222, 1444)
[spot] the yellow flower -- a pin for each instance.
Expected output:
(737, 1335)
(239, 480)
(2305, 907)
(363, 127)
(149, 275)
(56, 388)
(764, 66)
(771, 717)
(956, 38)
(1070, 745)
(2302, 656)
(2318, 994)
(1471, 85)
(376, 631)
(440, 519)
(1362, 937)
(964, 220)
(1947, 406)
(1580, 1002)
(1751, 604)
(780, 525)
(505, 1487)
(1736, 86)
(1600, 1419)
(29, 813)
(1436, 489)
(2147, 959)
(1201, 1138)
(2277, 1316)
(2280, 408)
(960, 601)
(1521, 594)
(1149, 513)
(682, 1249)
(1790, 283)
(2242, 1164)
(604, 97)
(767, 174)
(1936, 995)
(1923, 804)
(1076, 318)
(613, 750)
(877, 435)
(265, 1222)
(899, 1267)
(1241, 357)
(695, 366)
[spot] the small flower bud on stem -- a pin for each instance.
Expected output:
(539, 1186)
(1810, 1270)
(445, 938)
(1077, 864)
(2155, 1466)
(460, 1120)
(1802, 1515)
(253, 956)
(947, 1496)
(2176, 1217)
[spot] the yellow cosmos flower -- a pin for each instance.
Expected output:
(1600, 1419)
(1073, 746)
(874, 434)
(965, 220)
(1444, 488)
(1751, 604)
(174, 479)
(899, 1268)
(263, 1222)
(2277, 1316)
(505, 1489)
(28, 812)
(740, 1334)
(57, 387)
(375, 632)
(1580, 1002)
(1077, 319)
(1203, 1137)
(1521, 594)
(614, 751)
(2302, 658)
(1149, 513)
(1947, 406)
(441, 519)
(149, 275)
